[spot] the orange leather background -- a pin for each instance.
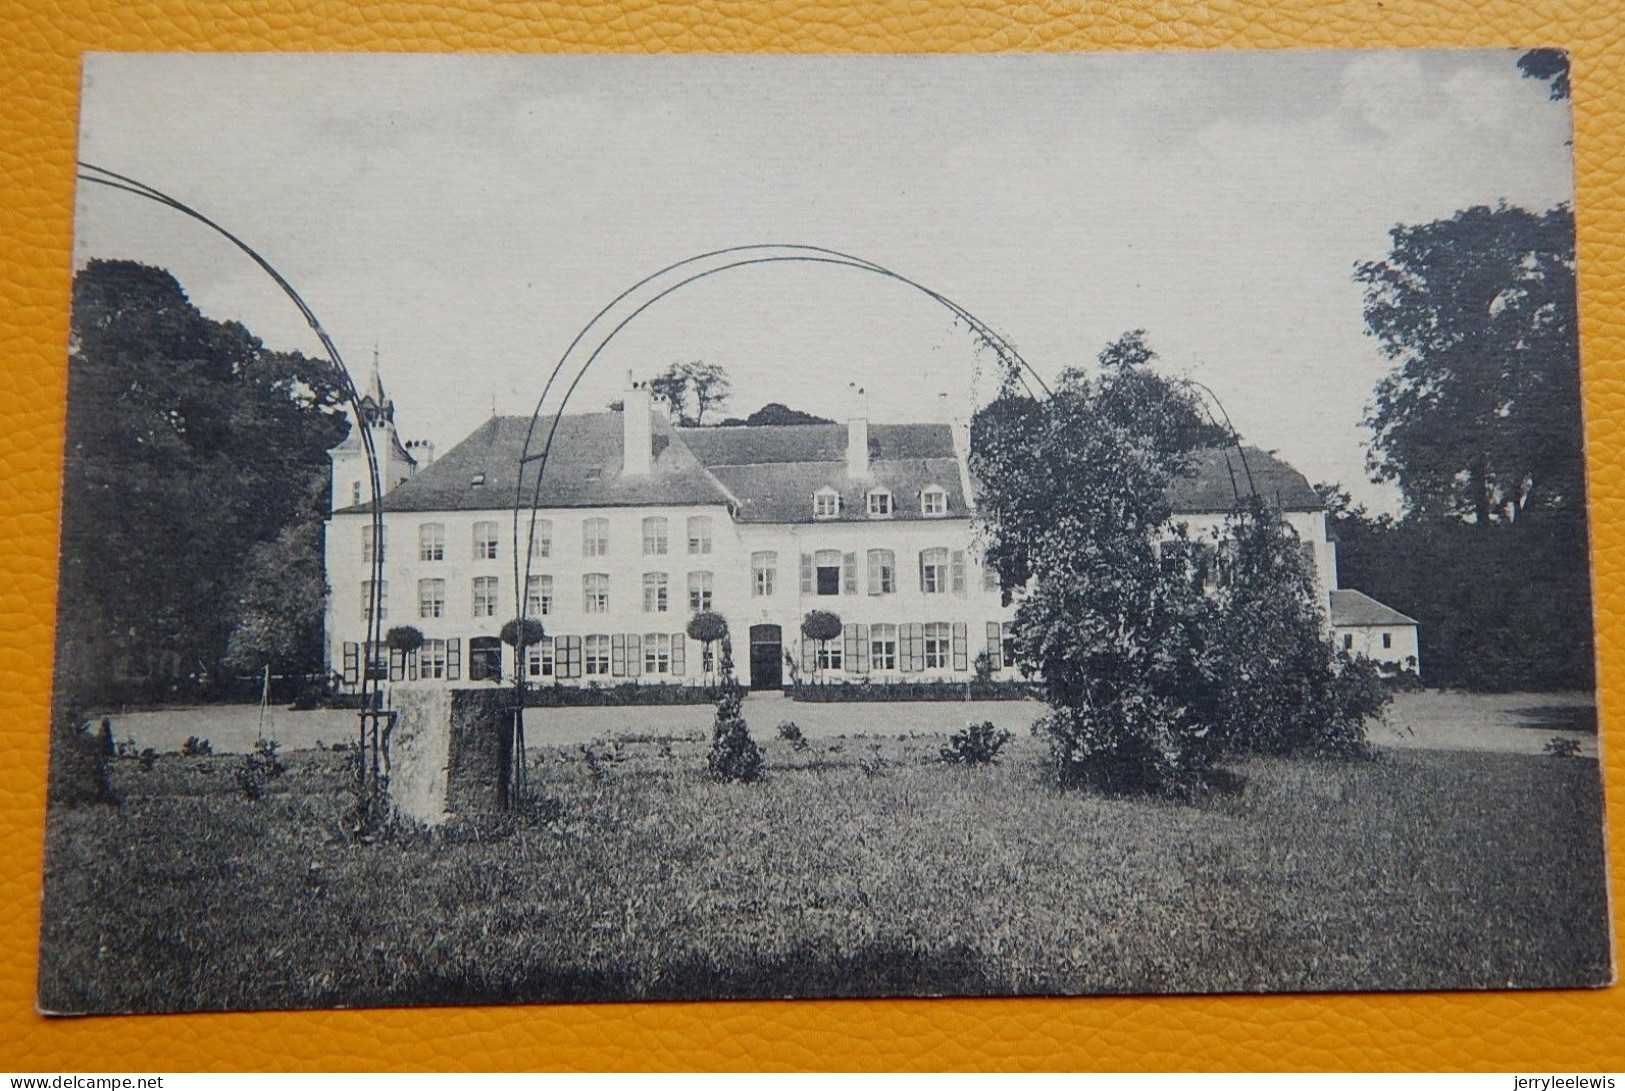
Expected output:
(42, 41)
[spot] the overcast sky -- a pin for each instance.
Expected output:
(470, 214)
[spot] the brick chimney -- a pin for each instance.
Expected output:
(637, 438)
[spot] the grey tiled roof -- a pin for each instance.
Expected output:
(1359, 608)
(583, 469)
(770, 472)
(1220, 475)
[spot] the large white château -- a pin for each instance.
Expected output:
(641, 524)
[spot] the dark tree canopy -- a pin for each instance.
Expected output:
(775, 413)
(1141, 661)
(1550, 65)
(821, 625)
(531, 629)
(692, 389)
(194, 455)
(1480, 418)
(707, 627)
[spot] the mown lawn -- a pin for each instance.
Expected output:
(859, 867)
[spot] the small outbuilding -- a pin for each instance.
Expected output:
(1363, 626)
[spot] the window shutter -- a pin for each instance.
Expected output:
(959, 571)
(454, 657)
(412, 666)
(571, 648)
(397, 665)
(961, 646)
(809, 655)
(920, 570)
(806, 574)
(859, 663)
(849, 573)
(849, 657)
(352, 662)
(995, 648)
(679, 653)
(634, 654)
(911, 646)
(873, 562)
(617, 655)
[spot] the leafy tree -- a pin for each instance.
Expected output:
(1481, 416)
(707, 627)
(404, 638)
(1136, 657)
(191, 450)
(821, 626)
(282, 587)
(691, 389)
(1550, 65)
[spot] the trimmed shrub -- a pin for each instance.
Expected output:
(258, 769)
(195, 747)
(978, 744)
(734, 754)
(79, 762)
(790, 732)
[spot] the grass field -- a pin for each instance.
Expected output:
(859, 867)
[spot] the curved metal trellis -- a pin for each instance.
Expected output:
(372, 769)
(726, 259)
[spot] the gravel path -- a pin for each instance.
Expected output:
(1508, 723)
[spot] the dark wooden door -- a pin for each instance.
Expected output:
(766, 657)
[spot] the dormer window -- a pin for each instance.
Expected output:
(880, 506)
(934, 501)
(826, 504)
(477, 480)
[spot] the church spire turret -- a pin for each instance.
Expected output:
(376, 408)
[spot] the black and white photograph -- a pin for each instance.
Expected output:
(544, 529)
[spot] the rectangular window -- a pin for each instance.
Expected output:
(764, 569)
(1348, 642)
(699, 534)
(539, 658)
(830, 655)
(431, 541)
(654, 592)
(990, 577)
(1387, 640)
(366, 600)
(431, 598)
(654, 536)
(882, 572)
(597, 654)
(595, 538)
(1007, 633)
(879, 503)
(541, 539)
(934, 571)
(699, 591)
(485, 596)
(937, 648)
(432, 659)
(485, 541)
(827, 572)
(934, 501)
(656, 654)
(595, 593)
(538, 596)
(367, 533)
(352, 662)
(883, 647)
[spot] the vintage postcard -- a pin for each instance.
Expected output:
(551, 528)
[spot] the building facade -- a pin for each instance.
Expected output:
(639, 524)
